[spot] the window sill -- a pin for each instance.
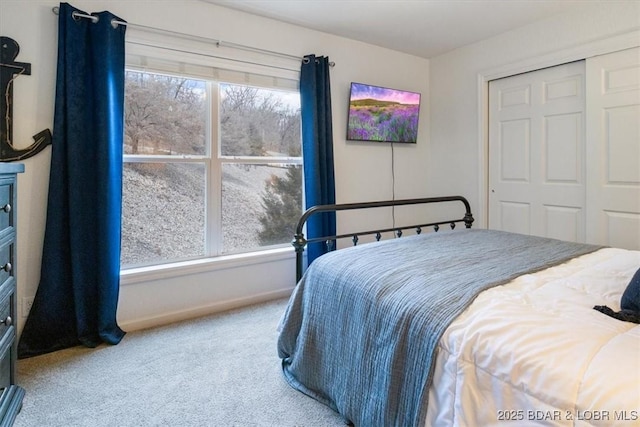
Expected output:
(206, 265)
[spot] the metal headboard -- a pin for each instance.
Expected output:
(299, 241)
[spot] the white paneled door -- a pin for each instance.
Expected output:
(537, 153)
(613, 149)
(564, 151)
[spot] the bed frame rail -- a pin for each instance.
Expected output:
(299, 241)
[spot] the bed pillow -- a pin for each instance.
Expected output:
(629, 303)
(631, 296)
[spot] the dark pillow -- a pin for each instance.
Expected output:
(631, 296)
(629, 303)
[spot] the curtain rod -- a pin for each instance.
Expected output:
(218, 43)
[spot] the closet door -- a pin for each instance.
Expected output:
(536, 153)
(613, 149)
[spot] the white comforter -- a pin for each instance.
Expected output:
(534, 352)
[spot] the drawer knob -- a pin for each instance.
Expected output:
(8, 321)
(7, 267)
(7, 208)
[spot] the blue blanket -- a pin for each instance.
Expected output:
(362, 326)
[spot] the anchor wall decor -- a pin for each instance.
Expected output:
(9, 71)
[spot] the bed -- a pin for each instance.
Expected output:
(462, 327)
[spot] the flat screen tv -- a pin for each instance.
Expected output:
(381, 114)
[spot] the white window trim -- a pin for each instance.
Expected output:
(210, 70)
(150, 273)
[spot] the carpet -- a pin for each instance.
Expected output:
(219, 370)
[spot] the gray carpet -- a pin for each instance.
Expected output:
(220, 370)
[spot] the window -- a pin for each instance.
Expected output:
(210, 168)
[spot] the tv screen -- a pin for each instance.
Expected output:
(381, 114)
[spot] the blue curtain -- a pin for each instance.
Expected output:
(77, 297)
(317, 149)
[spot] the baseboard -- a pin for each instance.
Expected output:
(205, 310)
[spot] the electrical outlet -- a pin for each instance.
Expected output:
(27, 302)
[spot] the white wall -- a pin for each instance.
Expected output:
(456, 160)
(363, 171)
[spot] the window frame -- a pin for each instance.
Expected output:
(213, 162)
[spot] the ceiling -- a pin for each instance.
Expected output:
(424, 28)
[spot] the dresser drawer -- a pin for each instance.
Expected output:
(5, 315)
(5, 368)
(7, 341)
(6, 205)
(6, 260)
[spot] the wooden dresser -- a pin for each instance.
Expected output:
(11, 397)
